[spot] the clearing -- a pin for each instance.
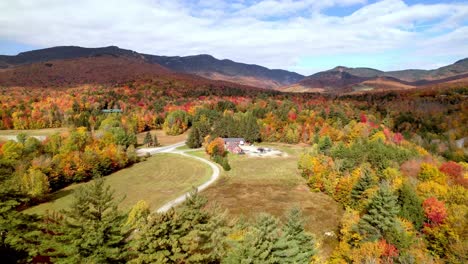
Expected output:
(11, 134)
(163, 139)
(273, 185)
(157, 180)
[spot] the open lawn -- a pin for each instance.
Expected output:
(34, 132)
(163, 139)
(273, 185)
(157, 180)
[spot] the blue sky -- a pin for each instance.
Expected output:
(299, 35)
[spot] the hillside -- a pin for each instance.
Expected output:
(337, 80)
(342, 79)
(459, 67)
(210, 67)
(116, 70)
(203, 65)
(105, 69)
(63, 52)
(410, 75)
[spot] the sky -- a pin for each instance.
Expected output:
(305, 36)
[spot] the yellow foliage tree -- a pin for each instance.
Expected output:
(430, 188)
(430, 172)
(138, 215)
(215, 147)
(35, 184)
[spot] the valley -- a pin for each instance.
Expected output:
(106, 142)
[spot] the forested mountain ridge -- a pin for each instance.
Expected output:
(337, 80)
(203, 65)
(347, 80)
(410, 75)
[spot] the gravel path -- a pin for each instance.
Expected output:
(172, 149)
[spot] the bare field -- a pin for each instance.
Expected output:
(273, 185)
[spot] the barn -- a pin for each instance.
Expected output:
(233, 145)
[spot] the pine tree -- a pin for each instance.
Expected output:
(91, 231)
(193, 140)
(186, 234)
(148, 141)
(380, 216)
(19, 232)
(155, 141)
(325, 143)
(258, 244)
(411, 205)
(248, 126)
(365, 182)
(294, 245)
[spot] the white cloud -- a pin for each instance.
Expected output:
(273, 33)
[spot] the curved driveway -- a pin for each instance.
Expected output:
(172, 149)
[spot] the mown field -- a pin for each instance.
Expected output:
(157, 180)
(33, 132)
(273, 185)
(11, 134)
(163, 139)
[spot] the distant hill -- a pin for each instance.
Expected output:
(343, 79)
(100, 69)
(330, 81)
(203, 65)
(210, 67)
(63, 52)
(457, 68)
(337, 80)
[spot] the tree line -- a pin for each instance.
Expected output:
(94, 230)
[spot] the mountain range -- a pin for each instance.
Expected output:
(77, 65)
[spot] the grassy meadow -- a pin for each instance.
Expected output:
(157, 180)
(273, 185)
(163, 139)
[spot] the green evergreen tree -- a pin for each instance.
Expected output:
(324, 143)
(411, 205)
(155, 141)
(248, 128)
(294, 245)
(200, 130)
(225, 164)
(19, 232)
(258, 244)
(91, 230)
(193, 140)
(148, 140)
(365, 182)
(186, 234)
(21, 138)
(380, 216)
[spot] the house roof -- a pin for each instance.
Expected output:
(233, 139)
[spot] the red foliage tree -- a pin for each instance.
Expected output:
(435, 211)
(389, 251)
(452, 169)
(397, 138)
(363, 118)
(455, 172)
